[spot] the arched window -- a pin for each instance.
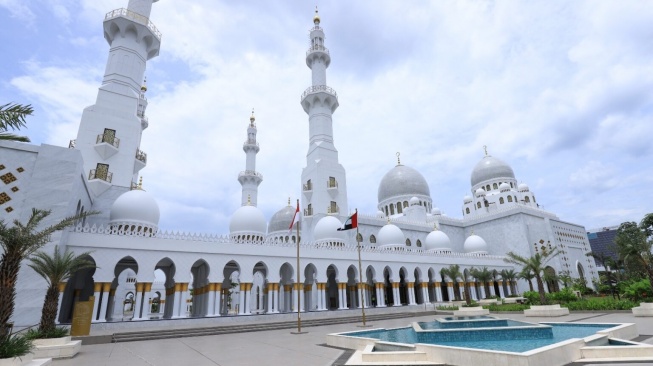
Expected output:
(419, 243)
(515, 197)
(487, 188)
(478, 204)
(495, 186)
(509, 199)
(467, 210)
(386, 210)
(372, 239)
(527, 199)
(533, 198)
(407, 242)
(399, 210)
(405, 204)
(359, 238)
(501, 200)
(511, 186)
(392, 209)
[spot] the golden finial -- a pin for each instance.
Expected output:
(398, 160)
(485, 149)
(252, 118)
(388, 218)
(249, 200)
(144, 86)
(140, 183)
(472, 233)
(435, 226)
(316, 18)
(288, 201)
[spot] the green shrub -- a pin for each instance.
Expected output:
(533, 297)
(57, 332)
(447, 308)
(638, 291)
(15, 346)
(562, 296)
(604, 303)
(506, 307)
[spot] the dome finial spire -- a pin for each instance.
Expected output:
(398, 160)
(144, 86)
(485, 149)
(316, 18)
(249, 200)
(288, 201)
(140, 183)
(252, 118)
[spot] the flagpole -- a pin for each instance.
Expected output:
(360, 272)
(299, 299)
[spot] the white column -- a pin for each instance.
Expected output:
(501, 289)
(342, 294)
(323, 294)
(491, 287)
(482, 291)
(62, 287)
(138, 303)
(106, 290)
(147, 296)
(183, 301)
(461, 289)
(438, 291)
(210, 306)
(396, 297)
(96, 304)
(302, 297)
(425, 294)
(241, 299)
(450, 291)
(411, 294)
(380, 296)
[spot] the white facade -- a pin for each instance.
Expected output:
(146, 273)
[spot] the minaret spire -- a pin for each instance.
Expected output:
(249, 178)
(324, 183)
(109, 134)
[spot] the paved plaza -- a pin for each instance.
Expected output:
(281, 347)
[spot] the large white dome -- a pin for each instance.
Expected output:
(491, 168)
(248, 219)
(390, 235)
(402, 181)
(475, 244)
(280, 221)
(135, 207)
(437, 241)
(327, 229)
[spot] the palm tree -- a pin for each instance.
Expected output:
(56, 268)
(12, 116)
(455, 275)
(527, 275)
(536, 264)
(484, 276)
(18, 243)
(634, 249)
(509, 275)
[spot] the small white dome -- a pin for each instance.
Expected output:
(280, 221)
(380, 214)
(436, 211)
(475, 244)
(467, 199)
(480, 192)
(437, 241)
(504, 187)
(523, 187)
(135, 207)
(414, 201)
(327, 229)
(390, 235)
(248, 219)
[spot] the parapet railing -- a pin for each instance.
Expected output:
(122, 12)
(317, 49)
(250, 173)
(317, 89)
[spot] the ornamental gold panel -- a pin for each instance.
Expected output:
(7, 178)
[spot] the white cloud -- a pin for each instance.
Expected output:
(558, 90)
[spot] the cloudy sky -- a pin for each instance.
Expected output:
(560, 90)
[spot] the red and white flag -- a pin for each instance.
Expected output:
(295, 219)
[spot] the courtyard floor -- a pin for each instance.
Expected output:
(281, 347)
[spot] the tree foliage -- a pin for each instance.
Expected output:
(18, 242)
(56, 268)
(634, 247)
(12, 116)
(535, 264)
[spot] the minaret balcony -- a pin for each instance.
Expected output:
(72, 143)
(319, 89)
(308, 211)
(319, 94)
(99, 180)
(106, 145)
(141, 160)
(126, 13)
(250, 175)
(308, 187)
(317, 49)
(251, 145)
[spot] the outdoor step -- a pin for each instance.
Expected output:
(250, 327)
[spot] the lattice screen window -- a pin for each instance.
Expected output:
(8, 178)
(4, 198)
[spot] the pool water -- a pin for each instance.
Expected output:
(489, 339)
(479, 323)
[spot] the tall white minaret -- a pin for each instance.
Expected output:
(250, 178)
(324, 186)
(109, 135)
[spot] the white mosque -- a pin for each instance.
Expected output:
(147, 273)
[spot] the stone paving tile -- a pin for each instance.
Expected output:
(278, 347)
